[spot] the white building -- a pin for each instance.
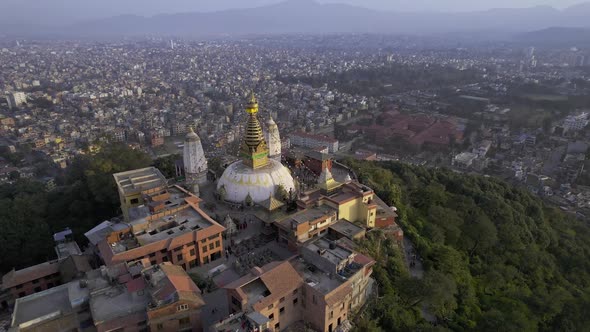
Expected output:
(576, 122)
(464, 159)
(16, 99)
(314, 141)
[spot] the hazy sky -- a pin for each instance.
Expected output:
(41, 11)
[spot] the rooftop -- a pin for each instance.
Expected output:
(347, 228)
(136, 181)
(66, 249)
(116, 302)
(53, 302)
(184, 221)
(315, 278)
(335, 254)
(307, 215)
(17, 277)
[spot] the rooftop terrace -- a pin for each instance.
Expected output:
(139, 180)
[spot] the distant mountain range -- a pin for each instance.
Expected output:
(308, 16)
(557, 36)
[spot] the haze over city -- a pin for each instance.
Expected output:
(63, 11)
(294, 166)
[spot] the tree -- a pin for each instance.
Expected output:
(496, 258)
(167, 165)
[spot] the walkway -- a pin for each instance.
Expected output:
(414, 264)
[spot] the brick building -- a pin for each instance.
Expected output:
(126, 298)
(322, 288)
(166, 224)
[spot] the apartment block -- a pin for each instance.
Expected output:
(166, 224)
(125, 298)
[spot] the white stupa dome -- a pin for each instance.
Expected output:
(239, 180)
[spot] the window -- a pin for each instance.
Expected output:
(21, 294)
(271, 306)
(163, 251)
(179, 257)
(282, 299)
(19, 286)
(178, 249)
(192, 252)
(313, 300)
(295, 292)
(184, 322)
(211, 246)
(165, 259)
(271, 316)
(277, 326)
(342, 306)
(134, 201)
(331, 314)
(49, 285)
(192, 263)
(182, 307)
(153, 254)
(217, 244)
(37, 289)
(236, 302)
(203, 240)
(36, 281)
(295, 301)
(153, 262)
(160, 326)
(282, 310)
(204, 248)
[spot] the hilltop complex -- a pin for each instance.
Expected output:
(280, 254)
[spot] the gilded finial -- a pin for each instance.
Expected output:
(252, 107)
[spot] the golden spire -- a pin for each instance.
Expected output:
(254, 149)
(252, 106)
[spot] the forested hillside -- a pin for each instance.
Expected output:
(496, 258)
(87, 196)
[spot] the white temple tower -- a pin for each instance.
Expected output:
(273, 140)
(195, 164)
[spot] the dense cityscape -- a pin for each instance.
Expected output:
(293, 182)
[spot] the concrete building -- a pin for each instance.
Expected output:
(314, 141)
(125, 297)
(352, 201)
(464, 160)
(322, 288)
(16, 99)
(69, 265)
(576, 122)
(317, 161)
(168, 226)
(133, 185)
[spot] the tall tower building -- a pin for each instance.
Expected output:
(274, 139)
(195, 164)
